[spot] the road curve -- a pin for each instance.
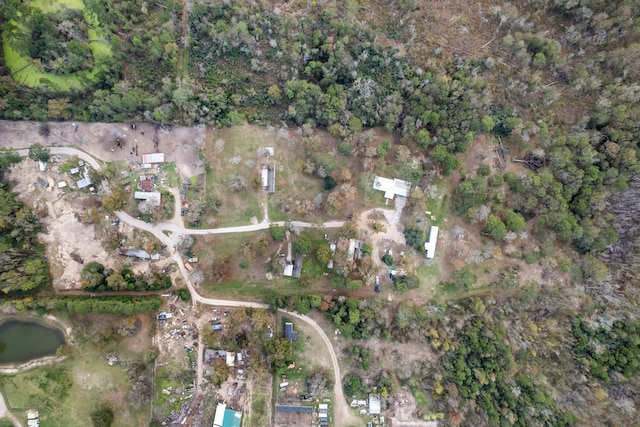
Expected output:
(343, 415)
(68, 151)
(342, 412)
(4, 413)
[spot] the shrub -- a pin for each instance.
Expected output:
(277, 233)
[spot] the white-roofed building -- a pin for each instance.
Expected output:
(392, 187)
(152, 158)
(153, 197)
(430, 246)
(84, 182)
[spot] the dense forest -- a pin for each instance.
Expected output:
(553, 83)
(23, 266)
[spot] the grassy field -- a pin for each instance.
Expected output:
(250, 282)
(260, 401)
(65, 393)
(232, 156)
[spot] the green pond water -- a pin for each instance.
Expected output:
(21, 66)
(21, 341)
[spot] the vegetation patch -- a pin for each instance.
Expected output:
(58, 45)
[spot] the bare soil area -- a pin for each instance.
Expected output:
(111, 142)
(62, 213)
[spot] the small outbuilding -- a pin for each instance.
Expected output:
(430, 246)
(153, 197)
(374, 404)
(289, 333)
(84, 182)
(152, 158)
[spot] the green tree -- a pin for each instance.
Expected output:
(514, 221)
(423, 139)
(323, 254)
(38, 153)
(496, 227)
(92, 275)
(8, 157)
(277, 351)
(487, 123)
(302, 244)
(387, 259)
(277, 233)
(115, 200)
(102, 417)
(447, 160)
(464, 278)
(414, 237)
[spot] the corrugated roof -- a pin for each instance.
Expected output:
(430, 246)
(297, 409)
(153, 158)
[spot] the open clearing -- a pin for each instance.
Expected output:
(65, 393)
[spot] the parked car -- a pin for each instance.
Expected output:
(377, 288)
(182, 211)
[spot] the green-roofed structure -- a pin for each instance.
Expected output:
(226, 417)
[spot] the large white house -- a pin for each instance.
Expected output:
(392, 187)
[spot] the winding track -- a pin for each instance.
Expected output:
(342, 413)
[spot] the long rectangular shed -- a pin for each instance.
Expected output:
(296, 409)
(430, 246)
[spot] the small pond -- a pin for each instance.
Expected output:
(21, 341)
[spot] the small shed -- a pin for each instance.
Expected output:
(84, 182)
(323, 414)
(374, 404)
(289, 333)
(138, 253)
(231, 358)
(153, 197)
(62, 184)
(430, 246)
(288, 270)
(152, 158)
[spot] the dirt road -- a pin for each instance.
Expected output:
(342, 412)
(343, 415)
(4, 413)
(68, 151)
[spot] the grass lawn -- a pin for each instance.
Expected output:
(251, 282)
(232, 155)
(257, 289)
(427, 272)
(67, 392)
(260, 400)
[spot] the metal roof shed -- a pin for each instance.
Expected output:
(430, 246)
(153, 158)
